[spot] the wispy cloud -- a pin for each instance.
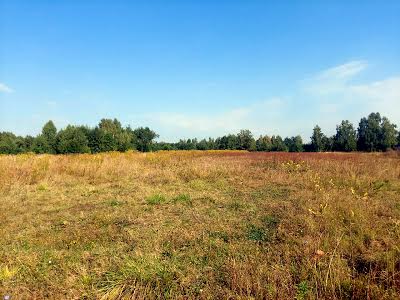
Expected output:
(335, 93)
(5, 89)
(334, 79)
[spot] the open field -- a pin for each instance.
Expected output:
(208, 225)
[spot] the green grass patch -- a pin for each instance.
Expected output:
(183, 198)
(156, 199)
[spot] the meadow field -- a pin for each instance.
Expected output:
(200, 225)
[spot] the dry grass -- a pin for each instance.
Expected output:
(204, 225)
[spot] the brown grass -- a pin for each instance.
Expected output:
(200, 225)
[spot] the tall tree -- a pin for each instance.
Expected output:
(9, 143)
(144, 138)
(72, 139)
(245, 140)
(398, 140)
(362, 134)
(387, 135)
(49, 132)
(376, 133)
(277, 144)
(41, 145)
(264, 143)
(372, 132)
(294, 144)
(114, 137)
(346, 137)
(317, 139)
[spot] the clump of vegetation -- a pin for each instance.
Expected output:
(156, 199)
(266, 232)
(183, 198)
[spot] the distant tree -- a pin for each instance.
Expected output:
(114, 137)
(211, 145)
(328, 143)
(227, 142)
(245, 140)
(398, 139)
(144, 138)
(388, 135)
(297, 145)
(163, 146)
(362, 135)
(9, 143)
(72, 139)
(376, 133)
(369, 132)
(41, 145)
(28, 143)
(202, 145)
(264, 143)
(294, 144)
(317, 139)
(49, 132)
(346, 137)
(278, 144)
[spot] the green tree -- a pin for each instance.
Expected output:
(317, 139)
(398, 139)
(362, 135)
(72, 139)
(114, 137)
(49, 132)
(376, 133)
(144, 138)
(227, 142)
(202, 145)
(369, 132)
(41, 145)
(264, 143)
(245, 140)
(28, 143)
(387, 135)
(278, 144)
(294, 144)
(346, 137)
(9, 143)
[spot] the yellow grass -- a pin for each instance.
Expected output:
(200, 225)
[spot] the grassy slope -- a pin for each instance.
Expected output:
(200, 225)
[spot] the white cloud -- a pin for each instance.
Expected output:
(335, 94)
(344, 71)
(382, 96)
(334, 79)
(5, 89)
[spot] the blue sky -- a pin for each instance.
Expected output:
(198, 68)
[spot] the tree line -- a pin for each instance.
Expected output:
(374, 133)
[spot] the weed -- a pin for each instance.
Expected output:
(183, 198)
(115, 203)
(302, 290)
(156, 199)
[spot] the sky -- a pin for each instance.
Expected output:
(198, 68)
